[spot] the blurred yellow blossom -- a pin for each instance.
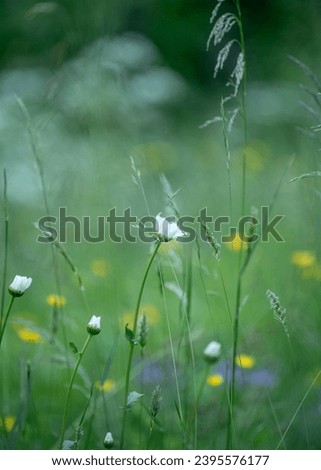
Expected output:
(303, 259)
(255, 155)
(28, 335)
(56, 300)
(245, 361)
(7, 422)
(100, 267)
(236, 243)
(105, 386)
(151, 312)
(215, 380)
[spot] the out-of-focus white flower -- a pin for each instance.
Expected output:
(212, 351)
(109, 441)
(167, 230)
(19, 285)
(93, 326)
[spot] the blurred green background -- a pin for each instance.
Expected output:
(107, 79)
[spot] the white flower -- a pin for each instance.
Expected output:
(19, 285)
(167, 230)
(212, 351)
(109, 441)
(93, 326)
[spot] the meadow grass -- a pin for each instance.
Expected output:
(145, 382)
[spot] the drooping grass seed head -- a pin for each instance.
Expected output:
(93, 326)
(142, 332)
(19, 285)
(155, 402)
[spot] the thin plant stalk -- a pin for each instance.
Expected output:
(72, 379)
(132, 344)
(244, 113)
(179, 400)
(5, 256)
(298, 409)
(235, 330)
(6, 319)
(189, 335)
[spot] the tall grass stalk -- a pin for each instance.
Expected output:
(243, 105)
(298, 409)
(179, 408)
(221, 27)
(132, 344)
(235, 331)
(186, 317)
(5, 237)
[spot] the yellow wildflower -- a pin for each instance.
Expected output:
(105, 386)
(28, 335)
(303, 259)
(7, 422)
(100, 267)
(245, 361)
(215, 380)
(236, 243)
(56, 300)
(149, 310)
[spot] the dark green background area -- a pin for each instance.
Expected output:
(179, 28)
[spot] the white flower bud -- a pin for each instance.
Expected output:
(212, 351)
(19, 285)
(109, 441)
(93, 326)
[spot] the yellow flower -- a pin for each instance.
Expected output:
(245, 361)
(28, 335)
(56, 300)
(303, 259)
(152, 315)
(7, 422)
(100, 267)
(215, 380)
(255, 154)
(105, 386)
(236, 243)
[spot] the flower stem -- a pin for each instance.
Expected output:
(132, 345)
(229, 442)
(72, 379)
(6, 319)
